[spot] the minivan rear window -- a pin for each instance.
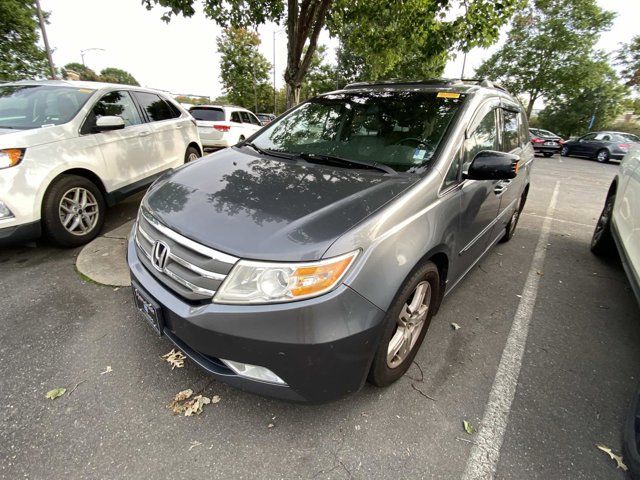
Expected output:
(208, 114)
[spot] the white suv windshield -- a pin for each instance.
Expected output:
(401, 129)
(34, 106)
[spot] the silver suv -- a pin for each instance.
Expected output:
(312, 256)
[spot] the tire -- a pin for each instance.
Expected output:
(191, 154)
(547, 154)
(387, 367)
(510, 228)
(564, 152)
(603, 156)
(85, 208)
(602, 243)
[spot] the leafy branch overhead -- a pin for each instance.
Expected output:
(410, 41)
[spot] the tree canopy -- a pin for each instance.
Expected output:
(117, 75)
(244, 71)
(629, 59)
(377, 30)
(20, 55)
(545, 48)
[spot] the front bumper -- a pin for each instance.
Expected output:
(322, 347)
(16, 234)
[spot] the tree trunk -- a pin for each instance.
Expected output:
(533, 96)
(305, 20)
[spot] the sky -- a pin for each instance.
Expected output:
(180, 57)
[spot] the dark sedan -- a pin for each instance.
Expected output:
(545, 142)
(601, 146)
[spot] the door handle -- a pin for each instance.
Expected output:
(501, 187)
(144, 134)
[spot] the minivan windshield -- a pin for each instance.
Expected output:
(33, 106)
(400, 129)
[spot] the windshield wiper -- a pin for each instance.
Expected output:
(271, 153)
(345, 162)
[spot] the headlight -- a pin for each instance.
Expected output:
(10, 157)
(267, 282)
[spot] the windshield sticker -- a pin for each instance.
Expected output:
(448, 95)
(419, 154)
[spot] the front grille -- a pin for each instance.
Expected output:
(191, 269)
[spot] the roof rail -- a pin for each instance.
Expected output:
(484, 82)
(399, 81)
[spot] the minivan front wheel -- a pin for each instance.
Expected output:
(406, 325)
(191, 154)
(73, 211)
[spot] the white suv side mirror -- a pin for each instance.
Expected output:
(109, 122)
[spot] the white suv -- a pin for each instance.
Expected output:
(68, 149)
(222, 126)
(618, 228)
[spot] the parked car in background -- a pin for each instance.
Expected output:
(68, 149)
(222, 126)
(601, 146)
(266, 118)
(545, 142)
(313, 255)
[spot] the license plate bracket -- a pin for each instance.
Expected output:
(151, 311)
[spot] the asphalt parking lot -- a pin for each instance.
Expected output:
(578, 372)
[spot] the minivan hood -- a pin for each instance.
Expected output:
(269, 209)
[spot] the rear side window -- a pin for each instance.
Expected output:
(235, 117)
(484, 137)
(525, 137)
(245, 117)
(510, 128)
(155, 107)
(254, 119)
(175, 112)
(208, 114)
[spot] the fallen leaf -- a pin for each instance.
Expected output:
(178, 406)
(540, 273)
(194, 407)
(55, 393)
(194, 444)
(357, 427)
(175, 358)
(455, 326)
(271, 425)
(618, 458)
(215, 399)
(468, 427)
(108, 370)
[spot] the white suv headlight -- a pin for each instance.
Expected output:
(268, 282)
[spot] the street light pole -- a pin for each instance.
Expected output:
(45, 39)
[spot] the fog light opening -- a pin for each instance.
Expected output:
(254, 372)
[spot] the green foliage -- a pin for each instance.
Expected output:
(109, 74)
(545, 48)
(382, 40)
(20, 55)
(629, 59)
(244, 71)
(628, 127)
(116, 75)
(85, 73)
(192, 100)
(321, 76)
(598, 93)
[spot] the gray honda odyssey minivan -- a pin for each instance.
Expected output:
(313, 255)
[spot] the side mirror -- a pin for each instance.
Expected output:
(492, 165)
(109, 122)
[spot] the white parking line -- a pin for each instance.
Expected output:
(483, 460)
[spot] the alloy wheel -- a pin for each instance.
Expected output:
(409, 324)
(78, 211)
(603, 156)
(603, 221)
(192, 156)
